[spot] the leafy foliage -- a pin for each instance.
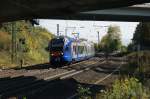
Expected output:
(83, 92)
(130, 47)
(141, 36)
(5, 41)
(128, 88)
(139, 62)
(30, 41)
(125, 88)
(111, 41)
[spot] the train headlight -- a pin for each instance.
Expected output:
(52, 54)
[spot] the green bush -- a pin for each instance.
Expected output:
(31, 42)
(128, 88)
(5, 41)
(83, 92)
(139, 61)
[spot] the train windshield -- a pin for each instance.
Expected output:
(57, 44)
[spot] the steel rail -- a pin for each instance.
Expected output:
(98, 81)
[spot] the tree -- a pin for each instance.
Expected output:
(130, 47)
(96, 47)
(29, 42)
(142, 35)
(111, 41)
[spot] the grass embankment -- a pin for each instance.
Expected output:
(133, 84)
(31, 52)
(125, 88)
(139, 62)
(128, 88)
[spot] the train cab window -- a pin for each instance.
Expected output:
(57, 44)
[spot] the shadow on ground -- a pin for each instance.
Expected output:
(25, 87)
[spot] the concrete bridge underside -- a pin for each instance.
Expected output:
(11, 10)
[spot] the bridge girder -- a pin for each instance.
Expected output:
(11, 10)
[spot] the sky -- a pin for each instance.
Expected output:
(89, 29)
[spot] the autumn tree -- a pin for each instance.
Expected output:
(111, 41)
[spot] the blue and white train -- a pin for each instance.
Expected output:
(68, 50)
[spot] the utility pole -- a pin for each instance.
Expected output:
(13, 43)
(57, 29)
(98, 27)
(66, 31)
(98, 37)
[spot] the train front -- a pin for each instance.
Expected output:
(60, 51)
(56, 50)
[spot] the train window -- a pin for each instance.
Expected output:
(57, 44)
(80, 49)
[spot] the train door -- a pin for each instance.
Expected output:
(67, 51)
(74, 50)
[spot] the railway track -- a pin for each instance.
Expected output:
(25, 85)
(74, 96)
(60, 92)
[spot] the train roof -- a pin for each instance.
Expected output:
(62, 37)
(72, 39)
